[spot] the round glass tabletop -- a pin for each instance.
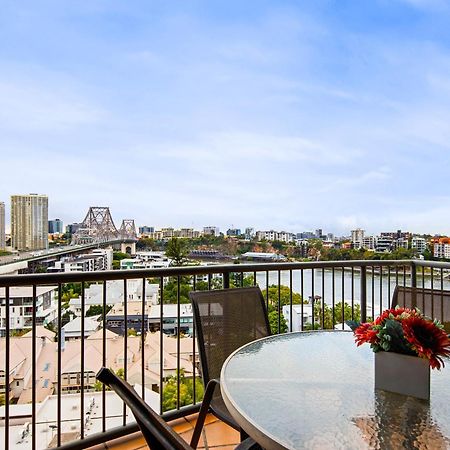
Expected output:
(316, 390)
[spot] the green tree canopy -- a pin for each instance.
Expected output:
(170, 391)
(177, 251)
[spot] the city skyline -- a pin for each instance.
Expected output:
(267, 114)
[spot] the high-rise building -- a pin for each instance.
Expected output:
(214, 231)
(55, 226)
(29, 222)
(73, 228)
(146, 229)
(357, 238)
(2, 227)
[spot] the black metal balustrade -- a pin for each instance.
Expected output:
(365, 286)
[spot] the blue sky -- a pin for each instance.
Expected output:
(290, 115)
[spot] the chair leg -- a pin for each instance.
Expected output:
(243, 434)
(203, 412)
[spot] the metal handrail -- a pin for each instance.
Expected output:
(108, 275)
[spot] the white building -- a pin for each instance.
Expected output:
(297, 316)
(369, 242)
(263, 256)
(21, 305)
(357, 238)
(441, 250)
(72, 329)
(401, 243)
(272, 235)
(419, 243)
(99, 259)
(115, 294)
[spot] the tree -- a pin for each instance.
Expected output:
(170, 293)
(170, 392)
(285, 297)
(2, 399)
(273, 322)
(145, 243)
(97, 310)
(327, 314)
(176, 250)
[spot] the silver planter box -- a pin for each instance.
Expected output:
(402, 374)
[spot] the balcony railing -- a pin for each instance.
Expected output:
(47, 400)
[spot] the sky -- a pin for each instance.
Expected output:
(272, 114)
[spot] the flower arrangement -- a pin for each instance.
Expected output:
(406, 331)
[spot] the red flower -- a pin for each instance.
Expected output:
(395, 312)
(365, 333)
(428, 340)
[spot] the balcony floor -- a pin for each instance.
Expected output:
(216, 435)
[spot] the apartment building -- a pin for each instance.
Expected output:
(55, 226)
(2, 227)
(213, 231)
(22, 304)
(385, 244)
(357, 238)
(441, 248)
(29, 222)
(146, 229)
(272, 235)
(169, 233)
(369, 242)
(419, 244)
(115, 293)
(117, 321)
(99, 259)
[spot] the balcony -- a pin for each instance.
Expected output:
(48, 402)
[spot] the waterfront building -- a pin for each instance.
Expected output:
(441, 248)
(384, 244)
(260, 256)
(55, 226)
(29, 222)
(2, 227)
(369, 242)
(357, 238)
(419, 243)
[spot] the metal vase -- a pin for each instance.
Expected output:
(402, 374)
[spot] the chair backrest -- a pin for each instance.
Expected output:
(158, 435)
(225, 320)
(433, 303)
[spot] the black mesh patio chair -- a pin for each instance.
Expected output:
(157, 433)
(225, 320)
(433, 303)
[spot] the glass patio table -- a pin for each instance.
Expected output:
(316, 390)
